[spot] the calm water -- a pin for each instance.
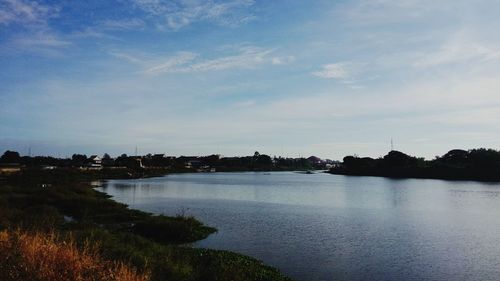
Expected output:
(329, 227)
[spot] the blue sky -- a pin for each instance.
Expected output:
(293, 78)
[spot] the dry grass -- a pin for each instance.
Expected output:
(45, 257)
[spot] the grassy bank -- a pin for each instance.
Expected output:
(63, 202)
(47, 257)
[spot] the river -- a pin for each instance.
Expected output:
(316, 227)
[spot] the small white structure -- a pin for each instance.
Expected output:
(95, 161)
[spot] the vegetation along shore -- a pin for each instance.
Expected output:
(84, 229)
(457, 164)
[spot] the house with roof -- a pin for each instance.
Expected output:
(95, 162)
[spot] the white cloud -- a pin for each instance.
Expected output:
(41, 40)
(36, 35)
(103, 29)
(127, 57)
(174, 15)
(25, 12)
(248, 58)
(459, 52)
(155, 7)
(283, 60)
(334, 71)
(188, 62)
(464, 49)
(373, 12)
(42, 43)
(172, 64)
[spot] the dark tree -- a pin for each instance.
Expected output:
(107, 160)
(121, 160)
(211, 160)
(78, 160)
(455, 157)
(264, 160)
(399, 159)
(484, 158)
(10, 157)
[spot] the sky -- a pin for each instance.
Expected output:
(292, 78)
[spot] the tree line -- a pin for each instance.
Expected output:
(457, 164)
(256, 162)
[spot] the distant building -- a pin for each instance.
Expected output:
(95, 162)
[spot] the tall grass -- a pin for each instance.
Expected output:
(47, 257)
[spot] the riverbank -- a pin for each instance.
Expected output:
(64, 202)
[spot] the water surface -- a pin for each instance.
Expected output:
(332, 227)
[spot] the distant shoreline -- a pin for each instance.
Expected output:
(460, 165)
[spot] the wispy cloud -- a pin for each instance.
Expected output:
(247, 58)
(460, 49)
(128, 57)
(189, 62)
(174, 15)
(339, 71)
(370, 12)
(105, 29)
(123, 24)
(459, 52)
(35, 34)
(283, 60)
(43, 43)
(41, 40)
(25, 12)
(173, 64)
(92, 32)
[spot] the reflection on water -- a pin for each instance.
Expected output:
(329, 227)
